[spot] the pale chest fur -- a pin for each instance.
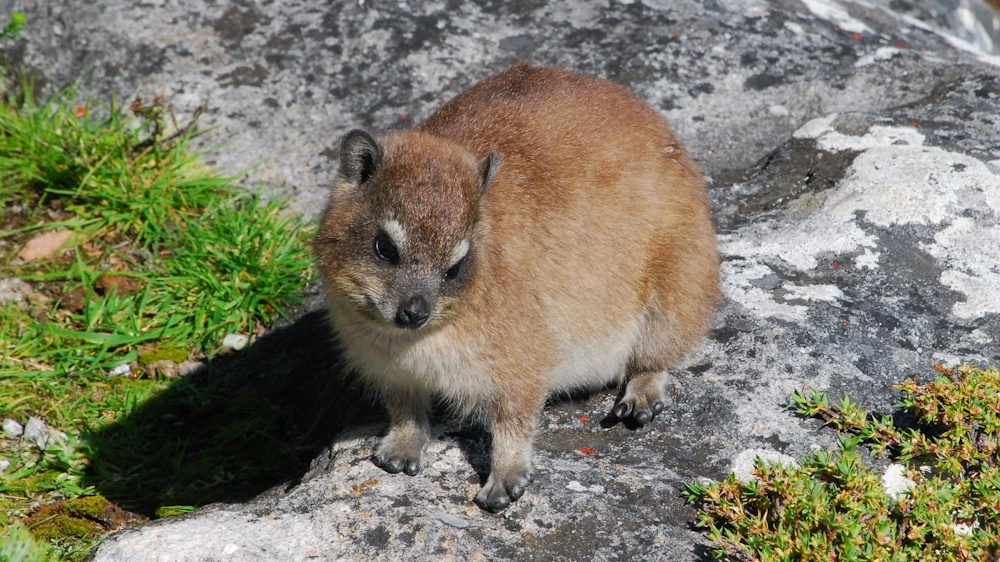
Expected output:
(443, 362)
(460, 364)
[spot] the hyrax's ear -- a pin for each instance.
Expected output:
(360, 156)
(487, 169)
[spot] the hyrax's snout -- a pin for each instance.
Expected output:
(413, 313)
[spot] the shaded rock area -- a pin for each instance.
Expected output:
(853, 152)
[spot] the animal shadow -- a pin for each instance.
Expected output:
(245, 423)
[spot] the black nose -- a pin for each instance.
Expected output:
(413, 313)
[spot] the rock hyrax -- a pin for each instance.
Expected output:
(542, 232)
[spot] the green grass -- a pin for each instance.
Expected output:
(111, 176)
(833, 506)
(229, 272)
(165, 259)
(20, 546)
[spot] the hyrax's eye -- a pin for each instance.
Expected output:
(454, 270)
(385, 249)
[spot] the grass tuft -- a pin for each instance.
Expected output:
(166, 258)
(18, 545)
(231, 273)
(115, 174)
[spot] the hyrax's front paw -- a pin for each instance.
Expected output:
(401, 451)
(504, 487)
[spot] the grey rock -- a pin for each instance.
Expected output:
(12, 429)
(853, 151)
(189, 367)
(35, 431)
(453, 520)
(745, 463)
(40, 434)
(283, 81)
(14, 290)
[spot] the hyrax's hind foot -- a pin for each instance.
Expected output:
(402, 450)
(504, 487)
(644, 397)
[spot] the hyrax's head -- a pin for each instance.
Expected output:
(398, 241)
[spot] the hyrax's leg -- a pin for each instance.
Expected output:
(409, 431)
(646, 373)
(672, 327)
(684, 290)
(511, 470)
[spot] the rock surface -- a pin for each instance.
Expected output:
(854, 157)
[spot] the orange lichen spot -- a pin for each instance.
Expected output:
(356, 489)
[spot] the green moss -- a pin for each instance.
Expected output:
(64, 526)
(174, 354)
(42, 481)
(6, 506)
(91, 507)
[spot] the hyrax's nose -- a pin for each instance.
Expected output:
(413, 313)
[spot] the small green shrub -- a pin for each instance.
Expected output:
(833, 506)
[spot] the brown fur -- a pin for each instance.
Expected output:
(591, 258)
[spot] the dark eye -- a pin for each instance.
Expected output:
(454, 270)
(385, 249)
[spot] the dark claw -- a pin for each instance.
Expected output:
(643, 417)
(516, 492)
(658, 407)
(412, 468)
(622, 410)
(498, 505)
(530, 477)
(392, 466)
